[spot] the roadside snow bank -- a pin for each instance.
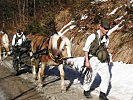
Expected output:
(121, 83)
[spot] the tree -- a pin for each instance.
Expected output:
(34, 9)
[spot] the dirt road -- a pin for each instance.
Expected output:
(24, 87)
(14, 87)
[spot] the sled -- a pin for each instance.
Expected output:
(21, 56)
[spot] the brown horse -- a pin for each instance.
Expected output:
(4, 44)
(49, 52)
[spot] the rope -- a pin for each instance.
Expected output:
(86, 72)
(55, 58)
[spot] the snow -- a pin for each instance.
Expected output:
(84, 17)
(61, 32)
(117, 27)
(131, 1)
(100, 0)
(121, 83)
(114, 11)
(70, 28)
(119, 18)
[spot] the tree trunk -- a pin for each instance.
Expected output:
(19, 10)
(24, 11)
(27, 13)
(34, 9)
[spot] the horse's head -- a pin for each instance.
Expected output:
(4, 44)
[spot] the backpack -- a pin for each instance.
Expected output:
(100, 51)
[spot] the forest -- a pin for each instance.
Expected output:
(41, 16)
(29, 13)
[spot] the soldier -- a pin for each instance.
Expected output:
(18, 38)
(95, 50)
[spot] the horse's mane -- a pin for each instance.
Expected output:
(59, 42)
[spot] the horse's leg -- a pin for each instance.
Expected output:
(62, 75)
(33, 62)
(41, 74)
(8, 51)
(34, 68)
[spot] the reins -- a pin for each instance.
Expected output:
(58, 59)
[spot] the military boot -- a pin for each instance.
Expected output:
(87, 94)
(102, 96)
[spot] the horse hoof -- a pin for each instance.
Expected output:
(34, 76)
(63, 91)
(1, 62)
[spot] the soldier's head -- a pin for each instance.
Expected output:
(104, 26)
(19, 31)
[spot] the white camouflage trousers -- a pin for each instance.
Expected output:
(103, 70)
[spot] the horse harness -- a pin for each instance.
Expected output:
(39, 52)
(17, 38)
(46, 51)
(57, 58)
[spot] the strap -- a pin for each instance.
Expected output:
(54, 58)
(17, 38)
(50, 43)
(44, 39)
(96, 36)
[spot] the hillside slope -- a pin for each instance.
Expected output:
(121, 39)
(82, 18)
